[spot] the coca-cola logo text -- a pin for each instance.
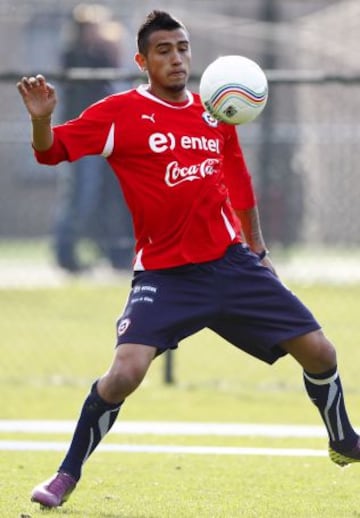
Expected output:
(176, 174)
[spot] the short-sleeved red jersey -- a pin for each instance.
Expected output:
(178, 169)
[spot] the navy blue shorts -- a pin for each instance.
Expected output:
(235, 296)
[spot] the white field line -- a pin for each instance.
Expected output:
(169, 429)
(171, 449)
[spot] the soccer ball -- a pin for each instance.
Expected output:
(233, 89)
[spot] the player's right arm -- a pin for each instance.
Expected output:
(85, 135)
(40, 100)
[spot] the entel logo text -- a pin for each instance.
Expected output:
(161, 142)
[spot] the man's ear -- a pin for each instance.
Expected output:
(140, 61)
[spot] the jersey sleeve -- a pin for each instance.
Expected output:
(52, 156)
(236, 174)
(86, 135)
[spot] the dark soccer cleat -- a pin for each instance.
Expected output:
(345, 458)
(55, 491)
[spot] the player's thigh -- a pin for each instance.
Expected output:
(166, 307)
(260, 312)
(133, 359)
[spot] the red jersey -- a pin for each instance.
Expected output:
(178, 169)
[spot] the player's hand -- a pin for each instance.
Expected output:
(266, 261)
(39, 96)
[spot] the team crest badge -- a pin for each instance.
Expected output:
(210, 120)
(123, 326)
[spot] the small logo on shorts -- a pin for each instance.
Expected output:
(123, 325)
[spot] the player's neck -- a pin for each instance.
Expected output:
(169, 95)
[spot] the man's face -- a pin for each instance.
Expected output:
(167, 61)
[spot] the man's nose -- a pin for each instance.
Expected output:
(176, 57)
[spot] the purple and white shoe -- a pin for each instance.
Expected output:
(55, 491)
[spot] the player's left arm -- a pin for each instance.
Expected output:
(251, 229)
(253, 236)
(243, 198)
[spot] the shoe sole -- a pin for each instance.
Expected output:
(46, 506)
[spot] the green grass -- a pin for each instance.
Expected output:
(56, 341)
(153, 486)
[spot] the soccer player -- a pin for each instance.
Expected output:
(200, 257)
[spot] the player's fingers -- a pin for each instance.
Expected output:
(28, 83)
(50, 87)
(33, 82)
(23, 85)
(24, 81)
(41, 81)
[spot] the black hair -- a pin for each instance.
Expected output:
(155, 21)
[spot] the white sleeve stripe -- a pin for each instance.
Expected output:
(138, 262)
(228, 225)
(109, 144)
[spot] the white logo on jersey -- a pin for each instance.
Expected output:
(175, 174)
(161, 142)
(149, 117)
(210, 120)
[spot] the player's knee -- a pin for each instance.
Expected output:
(323, 350)
(124, 379)
(313, 351)
(125, 374)
(117, 384)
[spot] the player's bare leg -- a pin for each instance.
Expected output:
(130, 364)
(322, 382)
(98, 414)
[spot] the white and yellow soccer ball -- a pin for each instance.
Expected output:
(234, 89)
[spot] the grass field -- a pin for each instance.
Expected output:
(56, 341)
(154, 486)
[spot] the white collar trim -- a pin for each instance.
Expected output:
(143, 90)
